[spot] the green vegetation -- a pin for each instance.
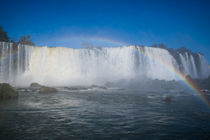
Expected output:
(26, 40)
(3, 35)
(161, 45)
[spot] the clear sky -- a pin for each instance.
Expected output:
(74, 23)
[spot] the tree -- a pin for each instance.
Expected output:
(161, 45)
(22, 39)
(183, 50)
(3, 35)
(26, 40)
(154, 45)
(13, 40)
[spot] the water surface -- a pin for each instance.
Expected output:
(99, 113)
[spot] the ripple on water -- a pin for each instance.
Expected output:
(118, 114)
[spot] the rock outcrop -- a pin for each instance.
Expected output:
(168, 99)
(35, 85)
(45, 89)
(7, 92)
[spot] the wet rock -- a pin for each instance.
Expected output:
(7, 92)
(76, 88)
(168, 99)
(35, 85)
(97, 86)
(205, 90)
(109, 84)
(22, 89)
(45, 89)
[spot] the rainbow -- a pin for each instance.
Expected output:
(13, 52)
(5, 57)
(72, 41)
(169, 67)
(114, 42)
(189, 83)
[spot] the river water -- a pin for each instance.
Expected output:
(105, 113)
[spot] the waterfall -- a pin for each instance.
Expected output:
(204, 70)
(4, 65)
(194, 69)
(12, 61)
(97, 65)
(188, 65)
(23, 64)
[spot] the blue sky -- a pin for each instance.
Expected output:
(73, 23)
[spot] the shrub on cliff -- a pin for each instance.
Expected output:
(26, 40)
(161, 45)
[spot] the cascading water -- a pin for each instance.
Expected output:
(67, 66)
(195, 69)
(12, 61)
(188, 65)
(89, 66)
(203, 69)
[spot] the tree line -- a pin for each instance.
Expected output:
(26, 40)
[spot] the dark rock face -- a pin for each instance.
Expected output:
(192, 58)
(7, 92)
(183, 50)
(45, 89)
